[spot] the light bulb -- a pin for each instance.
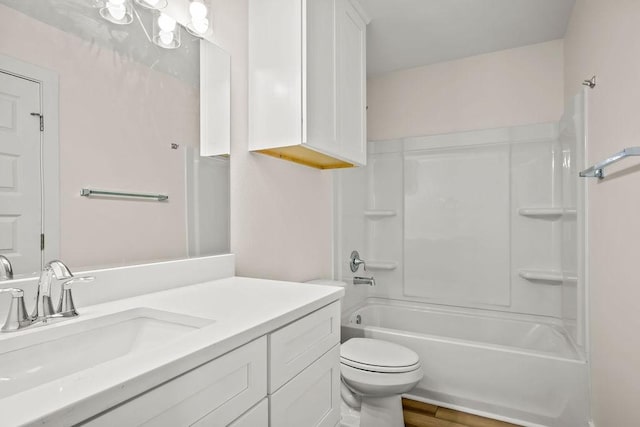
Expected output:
(166, 37)
(117, 9)
(152, 3)
(197, 10)
(200, 25)
(166, 23)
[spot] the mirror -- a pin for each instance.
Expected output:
(118, 114)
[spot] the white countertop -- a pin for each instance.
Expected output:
(243, 309)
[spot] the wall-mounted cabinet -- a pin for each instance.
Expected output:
(307, 81)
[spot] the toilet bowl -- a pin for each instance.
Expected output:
(374, 375)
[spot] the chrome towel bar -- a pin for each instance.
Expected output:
(597, 170)
(86, 192)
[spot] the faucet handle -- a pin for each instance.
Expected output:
(17, 317)
(355, 262)
(66, 307)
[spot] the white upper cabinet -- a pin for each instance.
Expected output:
(307, 81)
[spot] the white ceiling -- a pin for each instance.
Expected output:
(411, 33)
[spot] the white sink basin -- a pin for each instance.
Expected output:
(56, 351)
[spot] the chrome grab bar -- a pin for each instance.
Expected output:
(597, 170)
(86, 192)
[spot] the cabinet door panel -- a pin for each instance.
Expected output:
(311, 399)
(297, 345)
(219, 391)
(351, 61)
(320, 76)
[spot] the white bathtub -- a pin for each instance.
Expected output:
(522, 371)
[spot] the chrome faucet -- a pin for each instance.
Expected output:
(52, 269)
(6, 271)
(43, 311)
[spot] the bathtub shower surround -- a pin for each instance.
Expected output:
(475, 242)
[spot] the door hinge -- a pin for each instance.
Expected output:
(42, 242)
(41, 120)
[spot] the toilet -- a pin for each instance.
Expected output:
(374, 375)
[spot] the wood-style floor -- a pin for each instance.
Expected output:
(418, 414)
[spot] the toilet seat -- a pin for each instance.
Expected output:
(379, 369)
(378, 356)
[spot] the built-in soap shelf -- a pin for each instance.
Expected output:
(550, 276)
(379, 213)
(546, 213)
(382, 265)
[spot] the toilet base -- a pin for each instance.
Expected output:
(349, 417)
(382, 412)
(374, 412)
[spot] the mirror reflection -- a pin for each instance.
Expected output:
(88, 103)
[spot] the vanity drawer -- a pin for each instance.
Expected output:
(299, 344)
(213, 394)
(311, 399)
(258, 416)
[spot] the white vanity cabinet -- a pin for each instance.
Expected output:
(289, 377)
(307, 81)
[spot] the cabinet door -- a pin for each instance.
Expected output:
(312, 398)
(319, 77)
(213, 394)
(295, 346)
(352, 80)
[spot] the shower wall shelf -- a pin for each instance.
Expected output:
(597, 170)
(382, 265)
(379, 214)
(546, 212)
(546, 276)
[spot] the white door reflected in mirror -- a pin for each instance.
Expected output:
(20, 173)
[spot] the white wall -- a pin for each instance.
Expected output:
(604, 39)
(507, 88)
(280, 212)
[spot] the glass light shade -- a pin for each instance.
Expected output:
(166, 32)
(199, 27)
(117, 11)
(197, 10)
(153, 4)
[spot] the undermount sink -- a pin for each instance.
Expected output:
(54, 352)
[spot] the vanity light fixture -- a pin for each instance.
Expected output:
(199, 24)
(166, 31)
(117, 11)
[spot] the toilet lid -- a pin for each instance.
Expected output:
(378, 356)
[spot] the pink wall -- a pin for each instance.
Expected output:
(507, 88)
(604, 39)
(281, 213)
(109, 139)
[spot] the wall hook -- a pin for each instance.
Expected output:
(591, 82)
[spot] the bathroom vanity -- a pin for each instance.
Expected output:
(229, 351)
